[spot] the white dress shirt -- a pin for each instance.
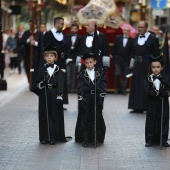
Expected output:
(58, 36)
(141, 41)
(51, 70)
(156, 82)
(91, 74)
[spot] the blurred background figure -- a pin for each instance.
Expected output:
(20, 46)
(72, 50)
(5, 36)
(10, 48)
(35, 40)
(43, 28)
(87, 43)
(122, 52)
(158, 34)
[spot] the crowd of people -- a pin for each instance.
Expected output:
(55, 70)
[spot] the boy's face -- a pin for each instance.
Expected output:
(89, 63)
(156, 68)
(50, 58)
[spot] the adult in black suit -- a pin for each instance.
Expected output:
(20, 49)
(56, 38)
(146, 45)
(73, 41)
(36, 40)
(87, 42)
(122, 52)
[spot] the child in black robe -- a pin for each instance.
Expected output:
(156, 88)
(50, 82)
(84, 131)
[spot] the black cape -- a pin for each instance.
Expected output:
(86, 109)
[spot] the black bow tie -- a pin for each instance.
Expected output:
(90, 35)
(125, 37)
(49, 65)
(156, 77)
(58, 31)
(142, 36)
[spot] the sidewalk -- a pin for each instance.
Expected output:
(123, 149)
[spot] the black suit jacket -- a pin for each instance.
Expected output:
(122, 54)
(151, 46)
(20, 43)
(60, 47)
(72, 53)
(104, 47)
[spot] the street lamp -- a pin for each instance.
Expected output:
(3, 83)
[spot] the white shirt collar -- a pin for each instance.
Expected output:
(57, 36)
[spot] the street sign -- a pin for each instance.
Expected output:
(158, 4)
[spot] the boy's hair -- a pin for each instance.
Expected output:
(51, 52)
(57, 19)
(88, 55)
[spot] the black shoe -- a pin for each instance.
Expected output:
(85, 144)
(136, 111)
(52, 142)
(64, 108)
(166, 144)
(44, 142)
(148, 144)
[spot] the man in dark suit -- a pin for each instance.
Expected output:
(57, 39)
(87, 43)
(122, 52)
(35, 40)
(72, 50)
(20, 46)
(146, 45)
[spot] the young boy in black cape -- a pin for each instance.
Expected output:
(156, 88)
(50, 82)
(84, 131)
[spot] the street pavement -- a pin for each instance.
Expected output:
(123, 149)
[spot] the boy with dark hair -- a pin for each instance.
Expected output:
(87, 80)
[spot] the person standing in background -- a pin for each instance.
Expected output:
(20, 46)
(56, 38)
(160, 38)
(146, 45)
(87, 43)
(73, 41)
(122, 52)
(43, 28)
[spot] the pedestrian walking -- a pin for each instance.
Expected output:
(156, 88)
(20, 46)
(10, 47)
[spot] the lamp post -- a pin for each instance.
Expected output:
(3, 83)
